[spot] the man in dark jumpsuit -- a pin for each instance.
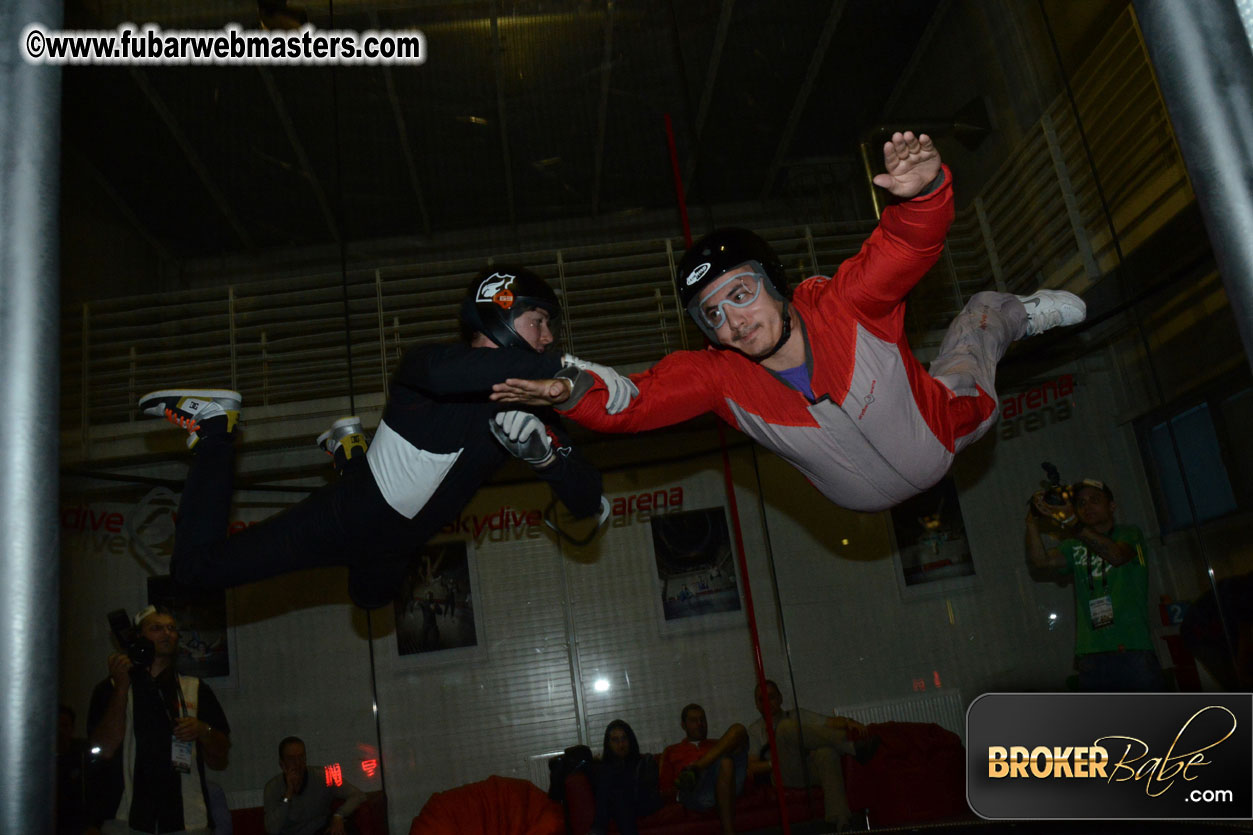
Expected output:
(437, 443)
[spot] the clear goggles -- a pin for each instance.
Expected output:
(738, 287)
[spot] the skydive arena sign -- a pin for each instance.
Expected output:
(1110, 756)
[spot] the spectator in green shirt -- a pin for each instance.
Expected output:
(1105, 562)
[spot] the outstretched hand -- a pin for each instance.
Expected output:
(531, 392)
(912, 162)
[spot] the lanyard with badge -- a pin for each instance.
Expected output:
(182, 751)
(1100, 609)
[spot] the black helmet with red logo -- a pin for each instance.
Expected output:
(498, 295)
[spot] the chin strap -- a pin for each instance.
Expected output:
(783, 337)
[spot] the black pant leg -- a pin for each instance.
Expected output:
(311, 533)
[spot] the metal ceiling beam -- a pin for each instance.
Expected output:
(602, 117)
(128, 214)
(802, 97)
(193, 159)
(905, 80)
(497, 63)
(411, 165)
(706, 96)
(302, 158)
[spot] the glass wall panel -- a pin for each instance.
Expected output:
(290, 231)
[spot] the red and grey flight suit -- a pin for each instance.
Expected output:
(880, 428)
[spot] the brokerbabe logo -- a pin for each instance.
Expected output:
(1110, 755)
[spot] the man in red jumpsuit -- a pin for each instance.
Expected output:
(825, 378)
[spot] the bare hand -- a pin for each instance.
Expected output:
(531, 392)
(912, 162)
(120, 670)
(189, 728)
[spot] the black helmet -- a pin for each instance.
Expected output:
(498, 295)
(721, 250)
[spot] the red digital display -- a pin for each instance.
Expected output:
(369, 767)
(334, 775)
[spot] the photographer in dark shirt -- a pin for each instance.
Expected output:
(157, 730)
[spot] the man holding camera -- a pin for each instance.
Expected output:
(1113, 639)
(158, 729)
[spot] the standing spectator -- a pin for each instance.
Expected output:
(1105, 562)
(158, 729)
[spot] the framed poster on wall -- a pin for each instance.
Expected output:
(696, 571)
(435, 607)
(203, 635)
(932, 551)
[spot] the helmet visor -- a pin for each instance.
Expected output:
(738, 287)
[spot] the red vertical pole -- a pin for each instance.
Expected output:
(678, 183)
(736, 530)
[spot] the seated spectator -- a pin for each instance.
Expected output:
(626, 782)
(298, 801)
(810, 746)
(706, 773)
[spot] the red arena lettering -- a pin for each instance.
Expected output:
(1038, 397)
(666, 497)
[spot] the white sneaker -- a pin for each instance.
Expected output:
(346, 434)
(1050, 308)
(195, 410)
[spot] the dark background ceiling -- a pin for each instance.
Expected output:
(532, 112)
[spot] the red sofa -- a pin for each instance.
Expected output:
(369, 819)
(756, 808)
(918, 775)
(495, 806)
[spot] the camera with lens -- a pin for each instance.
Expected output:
(140, 650)
(1056, 498)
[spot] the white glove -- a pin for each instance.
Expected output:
(621, 390)
(524, 436)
